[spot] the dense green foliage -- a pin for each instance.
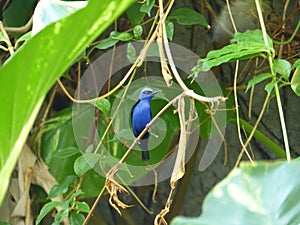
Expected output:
(65, 38)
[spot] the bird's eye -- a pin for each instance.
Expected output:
(147, 92)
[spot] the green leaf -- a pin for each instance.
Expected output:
(283, 67)
(269, 87)
(63, 213)
(103, 105)
(295, 83)
(243, 46)
(251, 36)
(124, 36)
(147, 6)
(23, 38)
(169, 29)
(66, 152)
(4, 223)
(107, 43)
(63, 187)
(45, 210)
(59, 134)
(74, 196)
(257, 79)
(137, 31)
(49, 11)
(230, 53)
(259, 193)
(82, 207)
(134, 14)
(76, 219)
(296, 64)
(187, 16)
(85, 163)
(131, 53)
(24, 84)
(113, 39)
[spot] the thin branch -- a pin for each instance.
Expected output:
(138, 62)
(7, 40)
(22, 29)
(94, 206)
(230, 15)
(291, 38)
(237, 114)
(254, 127)
(277, 94)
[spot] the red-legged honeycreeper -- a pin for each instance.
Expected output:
(140, 117)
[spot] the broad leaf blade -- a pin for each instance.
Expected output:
(243, 46)
(250, 36)
(49, 11)
(169, 29)
(283, 67)
(29, 74)
(263, 193)
(76, 218)
(85, 163)
(46, 209)
(147, 6)
(106, 43)
(257, 79)
(134, 14)
(137, 31)
(62, 188)
(103, 105)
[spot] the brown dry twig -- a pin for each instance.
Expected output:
(113, 188)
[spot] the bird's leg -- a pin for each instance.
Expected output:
(148, 128)
(150, 131)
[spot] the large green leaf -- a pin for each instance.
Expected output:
(262, 193)
(32, 70)
(49, 11)
(243, 46)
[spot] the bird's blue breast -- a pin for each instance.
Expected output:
(141, 116)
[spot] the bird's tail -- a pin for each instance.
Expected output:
(144, 146)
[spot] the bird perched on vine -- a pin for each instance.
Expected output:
(140, 117)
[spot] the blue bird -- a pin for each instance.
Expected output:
(140, 117)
